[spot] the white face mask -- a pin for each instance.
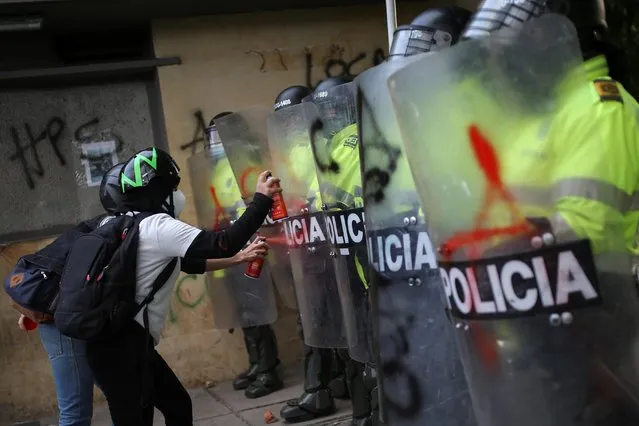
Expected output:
(179, 201)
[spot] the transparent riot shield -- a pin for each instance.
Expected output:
(305, 230)
(536, 278)
(335, 142)
(237, 300)
(423, 381)
(244, 137)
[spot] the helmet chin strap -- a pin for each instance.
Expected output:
(170, 206)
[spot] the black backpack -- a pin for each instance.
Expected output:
(98, 283)
(34, 283)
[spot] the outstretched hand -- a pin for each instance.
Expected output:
(258, 248)
(267, 184)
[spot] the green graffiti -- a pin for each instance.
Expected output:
(189, 294)
(184, 294)
(172, 316)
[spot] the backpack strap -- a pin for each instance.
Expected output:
(157, 285)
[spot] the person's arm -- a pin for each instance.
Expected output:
(256, 249)
(211, 244)
(192, 266)
(596, 174)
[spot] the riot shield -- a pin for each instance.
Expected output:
(423, 380)
(335, 143)
(305, 230)
(244, 137)
(237, 300)
(537, 281)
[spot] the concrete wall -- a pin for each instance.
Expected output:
(229, 63)
(55, 145)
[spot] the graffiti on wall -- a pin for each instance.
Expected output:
(26, 141)
(190, 295)
(199, 134)
(335, 61)
(337, 64)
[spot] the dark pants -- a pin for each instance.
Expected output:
(261, 345)
(360, 396)
(134, 378)
(318, 363)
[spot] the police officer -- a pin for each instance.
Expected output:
(317, 399)
(423, 381)
(340, 190)
(553, 167)
(261, 377)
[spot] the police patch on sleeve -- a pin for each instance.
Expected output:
(608, 90)
(551, 279)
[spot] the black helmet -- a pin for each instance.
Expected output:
(110, 190)
(588, 16)
(290, 96)
(433, 29)
(336, 103)
(147, 179)
(331, 82)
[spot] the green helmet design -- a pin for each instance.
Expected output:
(147, 165)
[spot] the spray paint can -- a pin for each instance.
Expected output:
(278, 211)
(254, 268)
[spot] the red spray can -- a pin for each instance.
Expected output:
(278, 211)
(254, 268)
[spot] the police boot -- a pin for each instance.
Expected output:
(251, 340)
(359, 393)
(338, 385)
(372, 387)
(267, 380)
(316, 401)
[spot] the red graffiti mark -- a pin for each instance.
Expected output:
(496, 192)
(243, 177)
(488, 160)
(220, 213)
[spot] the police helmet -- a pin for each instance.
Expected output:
(588, 16)
(290, 96)
(211, 133)
(336, 104)
(110, 189)
(432, 30)
(330, 83)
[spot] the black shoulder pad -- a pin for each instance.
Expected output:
(608, 90)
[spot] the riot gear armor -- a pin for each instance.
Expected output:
(588, 16)
(555, 359)
(420, 375)
(433, 29)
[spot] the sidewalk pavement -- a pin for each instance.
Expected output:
(220, 405)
